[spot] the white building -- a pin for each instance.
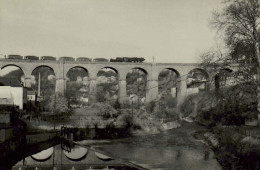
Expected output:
(31, 95)
(12, 92)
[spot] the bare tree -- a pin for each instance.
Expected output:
(239, 21)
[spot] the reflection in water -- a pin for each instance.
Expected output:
(77, 158)
(102, 156)
(43, 155)
(178, 156)
(76, 154)
(170, 150)
(206, 155)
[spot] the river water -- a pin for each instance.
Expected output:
(173, 149)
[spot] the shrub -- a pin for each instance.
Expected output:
(140, 120)
(125, 120)
(104, 110)
(58, 104)
(117, 104)
(170, 101)
(163, 108)
(150, 106)
(237, 104)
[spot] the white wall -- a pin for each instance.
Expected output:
(192, 90)
(17, 95)
(5, 95)
(31, 97)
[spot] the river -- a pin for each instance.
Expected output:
(172, 149)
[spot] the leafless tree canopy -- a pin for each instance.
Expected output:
(239, 22)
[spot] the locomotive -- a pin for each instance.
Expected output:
(66, 59)
(12, 56)
(128, 59)
(84, 59)
(47, 58)
(31, 57)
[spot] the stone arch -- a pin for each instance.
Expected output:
(222, 73)
(203, 71)
(174, 70)
(54, 71)
(77, 67)
(136, 83)
(21, 75)
(7, 65)
(67, 69)
(171, 86)
(43, 80)
(107, 84)
(77, 86)
(197, 80)
(111, 68)
(140, 68)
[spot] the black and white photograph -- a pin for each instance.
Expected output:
(129, 84)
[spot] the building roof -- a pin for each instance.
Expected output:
(13, 82)
(30, 91)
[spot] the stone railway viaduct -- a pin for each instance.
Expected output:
(152, 71)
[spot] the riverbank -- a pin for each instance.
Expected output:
(91, 126)
(235, 147)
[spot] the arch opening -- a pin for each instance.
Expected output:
(167, 82)
(167, 90)
(136, 84)
(107, 85)
(223, 78)
(77, 87)
(43, 82)
(13, 72)
(13, 80)
(197, 81)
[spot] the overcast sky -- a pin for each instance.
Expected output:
(170, 30)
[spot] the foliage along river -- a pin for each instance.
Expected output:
(173, 149)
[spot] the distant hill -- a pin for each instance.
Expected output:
(15, 74)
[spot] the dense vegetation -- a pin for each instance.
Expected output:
(233, 106)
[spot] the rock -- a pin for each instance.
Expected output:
(251, 123)
(171, 125)
(188, 119)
